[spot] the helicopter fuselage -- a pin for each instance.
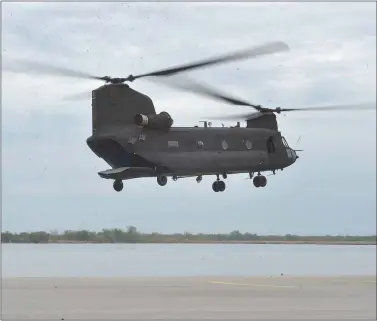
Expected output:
(192, 151)
(137, 142)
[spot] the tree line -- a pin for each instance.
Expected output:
(132, 235)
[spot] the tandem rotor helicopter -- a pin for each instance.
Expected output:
(136, 142)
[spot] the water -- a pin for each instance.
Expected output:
(108, 260)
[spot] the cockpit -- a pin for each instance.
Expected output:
(290, 152)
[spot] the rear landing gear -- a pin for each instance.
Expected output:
(260, 181)
(219, 186)
(118, 185)
(162, 180)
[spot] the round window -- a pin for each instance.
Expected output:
(248, 144)
(224, 144)
(200, 144)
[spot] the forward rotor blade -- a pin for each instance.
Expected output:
(242, 116)
(265, 49)
(27, 66)
(204, 90)
(360, 106)
(354, 107)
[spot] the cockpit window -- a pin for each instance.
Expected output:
(284, 142)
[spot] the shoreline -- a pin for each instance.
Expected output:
(212, 242)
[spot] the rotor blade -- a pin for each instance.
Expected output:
(204, 90)
(78, 96)
(355, 107)
(243, 116)
(360, 106)
(27, 66)
(265, 49)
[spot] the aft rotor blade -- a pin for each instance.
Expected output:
(78, 96)
(265, 49)
(27, 66)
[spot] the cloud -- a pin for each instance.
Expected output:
(50, 176)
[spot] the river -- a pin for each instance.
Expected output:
(111, 260)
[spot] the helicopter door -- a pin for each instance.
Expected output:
(271, 146)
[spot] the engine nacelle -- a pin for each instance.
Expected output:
(161, 121)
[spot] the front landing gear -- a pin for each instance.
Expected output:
(118, 185)
(260, 181)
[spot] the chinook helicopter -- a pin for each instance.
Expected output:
(136, 142)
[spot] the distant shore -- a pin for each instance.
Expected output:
(209, 242)
(132, 236)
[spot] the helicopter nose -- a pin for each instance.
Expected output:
(295, 156)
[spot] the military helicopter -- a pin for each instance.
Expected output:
(136, 142)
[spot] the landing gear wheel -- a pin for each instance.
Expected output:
(118, 185)
(221, 186)
(218, 186)
(199, 179)
(260, 181)
(256, 181)
(162, 180)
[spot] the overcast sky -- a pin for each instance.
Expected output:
(50, 176)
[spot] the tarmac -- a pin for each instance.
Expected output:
(190, 298)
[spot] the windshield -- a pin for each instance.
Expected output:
(284, 142)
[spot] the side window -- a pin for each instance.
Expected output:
(248, 144)
(132, 140)
(271, 147)
(200, 144)
(173, 144)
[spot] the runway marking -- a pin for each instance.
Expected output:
(369, 281)
(254, 285)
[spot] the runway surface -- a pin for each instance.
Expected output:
(191, 298)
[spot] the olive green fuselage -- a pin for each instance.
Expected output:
(192, 151)
(136, 142)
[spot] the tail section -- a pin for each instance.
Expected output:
(115, 106)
